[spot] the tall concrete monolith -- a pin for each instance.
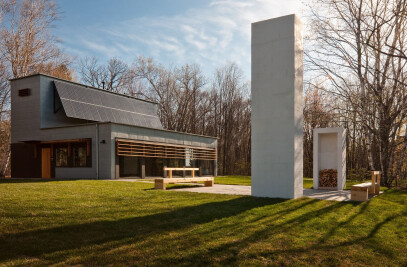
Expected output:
(277, 108)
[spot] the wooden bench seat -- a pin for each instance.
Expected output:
(361, 192)
(160, 183)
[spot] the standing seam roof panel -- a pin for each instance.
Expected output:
(97, 105)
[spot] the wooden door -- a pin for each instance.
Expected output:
(46, 162)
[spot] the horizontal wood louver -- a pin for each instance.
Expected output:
(134, 148)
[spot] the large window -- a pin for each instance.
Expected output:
(206, 167)
(129, 166)
(154, 167)
(61, 156)
(75, 154)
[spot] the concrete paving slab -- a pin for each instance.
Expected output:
(243, 190)
(220, 189)
(343, 195)
(246, 191)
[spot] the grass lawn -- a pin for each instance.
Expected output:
(122, 223)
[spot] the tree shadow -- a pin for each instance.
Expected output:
(232, 249)
(38, 242)
(38, 180)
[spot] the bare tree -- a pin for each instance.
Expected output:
(317, 113)
(353, 48)
(188, 103)
(114, 76)
(25, 38)
(27, 46)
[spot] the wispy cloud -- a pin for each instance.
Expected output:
(209, 36)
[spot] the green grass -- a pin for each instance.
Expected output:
(121, 223)
(234, 180)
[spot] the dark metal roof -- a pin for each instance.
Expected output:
(99, 105)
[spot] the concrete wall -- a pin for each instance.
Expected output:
(277, 106)
(329, 153)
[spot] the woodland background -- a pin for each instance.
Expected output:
(355, 77)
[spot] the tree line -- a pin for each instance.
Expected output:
(356, 54)
(355, 66)
(188, 101)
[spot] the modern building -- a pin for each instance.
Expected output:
(62, 129)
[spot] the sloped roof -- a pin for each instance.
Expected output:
(91, 104)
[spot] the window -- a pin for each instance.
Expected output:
(61, 156)
(188, 157)
(79, 155)
(72, 154)
(206, 167)
(129, 167)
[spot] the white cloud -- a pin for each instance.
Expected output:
(209, 36)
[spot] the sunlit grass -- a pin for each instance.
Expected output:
(120, 223)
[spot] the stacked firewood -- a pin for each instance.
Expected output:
(328, 178)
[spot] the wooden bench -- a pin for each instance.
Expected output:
(170, 170)
(361, 192)
(160, 183)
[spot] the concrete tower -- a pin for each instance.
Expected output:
(277, 108)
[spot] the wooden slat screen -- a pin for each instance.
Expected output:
(134, 148)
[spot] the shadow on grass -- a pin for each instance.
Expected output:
(37, 180)
(323, 244)
(231, 250)
(175, 186)
(38, 242)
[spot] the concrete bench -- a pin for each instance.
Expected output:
(170, 170)
(161, 183)
(361, 192)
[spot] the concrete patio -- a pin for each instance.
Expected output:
(243, 190)
(246, 191)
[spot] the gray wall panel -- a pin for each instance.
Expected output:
(153, 135)
(25, 112)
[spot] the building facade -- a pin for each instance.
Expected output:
(61, 129)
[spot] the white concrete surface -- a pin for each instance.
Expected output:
(330, 153)
(343, 195)
(277, 108)
(219, 189)
(246, 191)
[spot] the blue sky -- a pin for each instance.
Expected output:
(173, 32)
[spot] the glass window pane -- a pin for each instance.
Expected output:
(61, 157)
(79, 155)
(129, 166)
